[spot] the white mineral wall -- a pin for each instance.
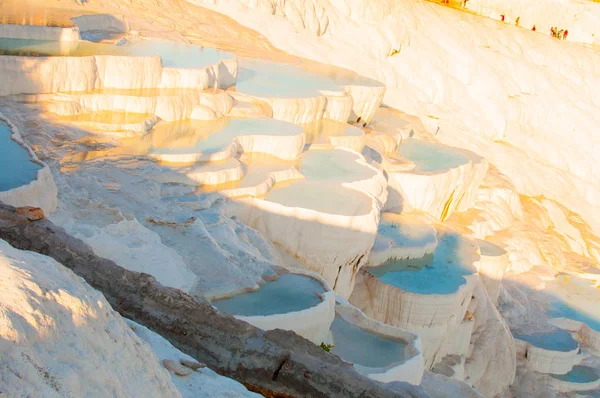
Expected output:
(265, 186)
(219, 76)
(338, 106)
(33, 32)
(366, 101)
(548, 361)
(353, 143)
(297, 110)
(166, 106)
(202, 173)
(332, 245)
(61, 337)
(439, 194)
(497, 205)
(410, 369)
(34, 75)
(226, 153)
(283, 147)
(491, 267)
(125, 129)
(432, 316)
(491, 363)
(128, 72)
(41, 192)
(375, 186)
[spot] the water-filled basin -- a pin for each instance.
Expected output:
(16, 167)
(289, 293)
(556, 340)
(355, 345)
(430, 156)
(272, 80)
(561, 309)
(440, 273)
(580, 374)
(334, 165)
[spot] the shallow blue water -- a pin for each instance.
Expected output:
(173, 54)
(272, 80)
(353, 344)
(557, 340)
(579, 374)
(440, 273)
(431, 157)
(16, 168)
(289, 293)
(560, 309)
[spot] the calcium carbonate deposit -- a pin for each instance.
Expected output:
(411, 186)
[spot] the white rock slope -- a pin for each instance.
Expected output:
(59, 337)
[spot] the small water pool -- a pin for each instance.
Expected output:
(440, 273)
(173, 54)
(272, 80)
(334, 165)
(355, 345)
(16, 167)
(561, 309)
(430, 156)
(580, 374)
(189, 137)
(289, 293)
(557, 340)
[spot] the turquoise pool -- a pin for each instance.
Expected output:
(16, 167)
(355, 345)
(289, 293)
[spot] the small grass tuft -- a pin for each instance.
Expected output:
(327, 347)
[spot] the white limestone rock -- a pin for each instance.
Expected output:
(61, 337)
(33, 75)
(492, 266)
(106, 122)
(124, 240)
(545, 360)
(437, 189)
(203, 382)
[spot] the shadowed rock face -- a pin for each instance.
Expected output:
(276, 363)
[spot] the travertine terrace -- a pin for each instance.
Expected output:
(409, 186)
